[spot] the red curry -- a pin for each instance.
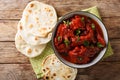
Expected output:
(79, 39)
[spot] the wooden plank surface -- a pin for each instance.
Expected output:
(15, 66)
(100, 71)
(12, 9)
(16, 72)
(10, 26)
(9, 54)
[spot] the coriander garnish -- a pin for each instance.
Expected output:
(78, 39)
(80, 58)
(86, 43)
(77, 32)
(99, 45)
(67, 23)
(59, 37)
(82, 18)
(93, 26)
(67, 42)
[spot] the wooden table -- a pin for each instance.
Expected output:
(15, 66)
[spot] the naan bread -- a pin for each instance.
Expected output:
(53, 69)
(38, 21)
(27, 49)
(33, 39)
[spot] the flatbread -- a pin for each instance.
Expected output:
(38, 20)
(53, 69)
(34, 40)
(27, 49)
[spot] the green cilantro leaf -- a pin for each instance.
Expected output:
(67, 22)
(80, 58)
(82, 19)
(67, 42)
(78, 39)
(99, 45)
(59, 37)
(93, 26)
(86, 43)
(77, 32)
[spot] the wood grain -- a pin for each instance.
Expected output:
(9, 54)
(101, 71)
(12, 9)
(15, 66)
(8, 28)
(16, 72)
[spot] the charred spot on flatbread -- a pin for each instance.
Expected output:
(51, 14)
(58, 70)
(47, 9)
(36, 38)
(37, 18)
(26, 18)
(54, 74)
(44, 70)
(21, 27)
(31, 5)
(31, 25)
(30, 11)
(29, 51)
(68, 76)
(38, 14)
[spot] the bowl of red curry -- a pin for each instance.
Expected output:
(79, 39)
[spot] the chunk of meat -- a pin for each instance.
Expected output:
(89, 35)
(77, 55)
(76, 23)
(100, 39)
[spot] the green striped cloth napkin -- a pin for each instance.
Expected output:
(37, 61)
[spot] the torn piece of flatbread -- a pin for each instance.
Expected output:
(54, 69)
(27, 49)
(38, 21)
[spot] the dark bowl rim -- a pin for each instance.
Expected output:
(64, 17)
